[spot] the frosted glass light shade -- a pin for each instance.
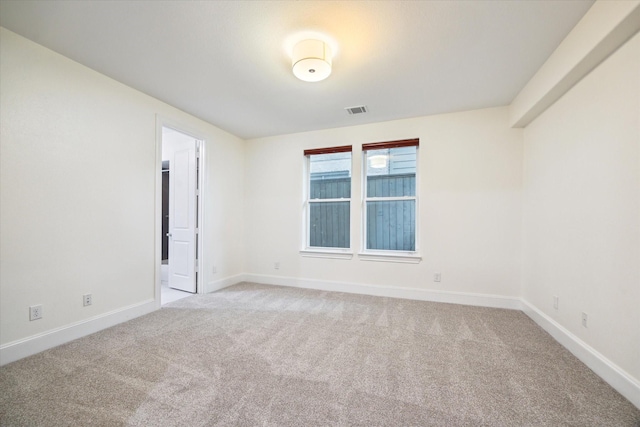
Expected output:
(311, 60)
(378, 162)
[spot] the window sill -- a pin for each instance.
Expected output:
(327, 253)
(404, 257)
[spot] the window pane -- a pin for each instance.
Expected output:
(330, 176)
(329, 224)
(391, 172)
(391, 225)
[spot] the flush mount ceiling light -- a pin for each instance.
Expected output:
(378, 162)
(311, 60)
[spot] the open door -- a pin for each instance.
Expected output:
(183, 215)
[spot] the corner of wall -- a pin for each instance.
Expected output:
(615, 376)
(603, 29)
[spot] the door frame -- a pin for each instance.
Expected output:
(161, 122)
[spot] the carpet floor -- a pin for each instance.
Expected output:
(257, 355)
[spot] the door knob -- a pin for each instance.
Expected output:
(169, 234)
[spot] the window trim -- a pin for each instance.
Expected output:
(413, 142)
(331, 253)
(329, 150)
(322, 251)
(389, 255)
(404, 257)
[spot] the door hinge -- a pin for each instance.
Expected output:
(197, 230)
(196, 265)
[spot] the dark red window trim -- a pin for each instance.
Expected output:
(391, 144)
(328, 150)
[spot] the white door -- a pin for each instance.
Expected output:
(183, 215)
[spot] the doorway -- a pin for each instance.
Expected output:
(180, 215)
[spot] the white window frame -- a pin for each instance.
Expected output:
(389, 255)
(320, 251)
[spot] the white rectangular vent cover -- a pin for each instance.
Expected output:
(357, 110)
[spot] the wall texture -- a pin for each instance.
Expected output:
(582, 209)
(78, 188)
(551, 210)
(470, 180)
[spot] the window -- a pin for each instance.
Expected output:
(328, 200)
(390, 196)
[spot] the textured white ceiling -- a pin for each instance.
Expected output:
(227, 61)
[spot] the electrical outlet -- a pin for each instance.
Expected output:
(437, 277)
(87, 300)
(276, 265)
(35, 312)
(584, 319)
(555, 302)
(215, 269)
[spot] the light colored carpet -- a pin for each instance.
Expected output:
(259, 355)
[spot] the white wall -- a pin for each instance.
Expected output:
(470, 177)
(224, 240)
(78, 188)
(582, 209)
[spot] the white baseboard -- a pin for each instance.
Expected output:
(216, 285)
(482, 300)
(617, 378)
(624, 383)
(19, 349)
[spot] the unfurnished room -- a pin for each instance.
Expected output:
(320, 213)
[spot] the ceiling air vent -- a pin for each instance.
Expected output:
(357, 110)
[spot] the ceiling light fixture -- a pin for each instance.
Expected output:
(311, 60)
(378, 162)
